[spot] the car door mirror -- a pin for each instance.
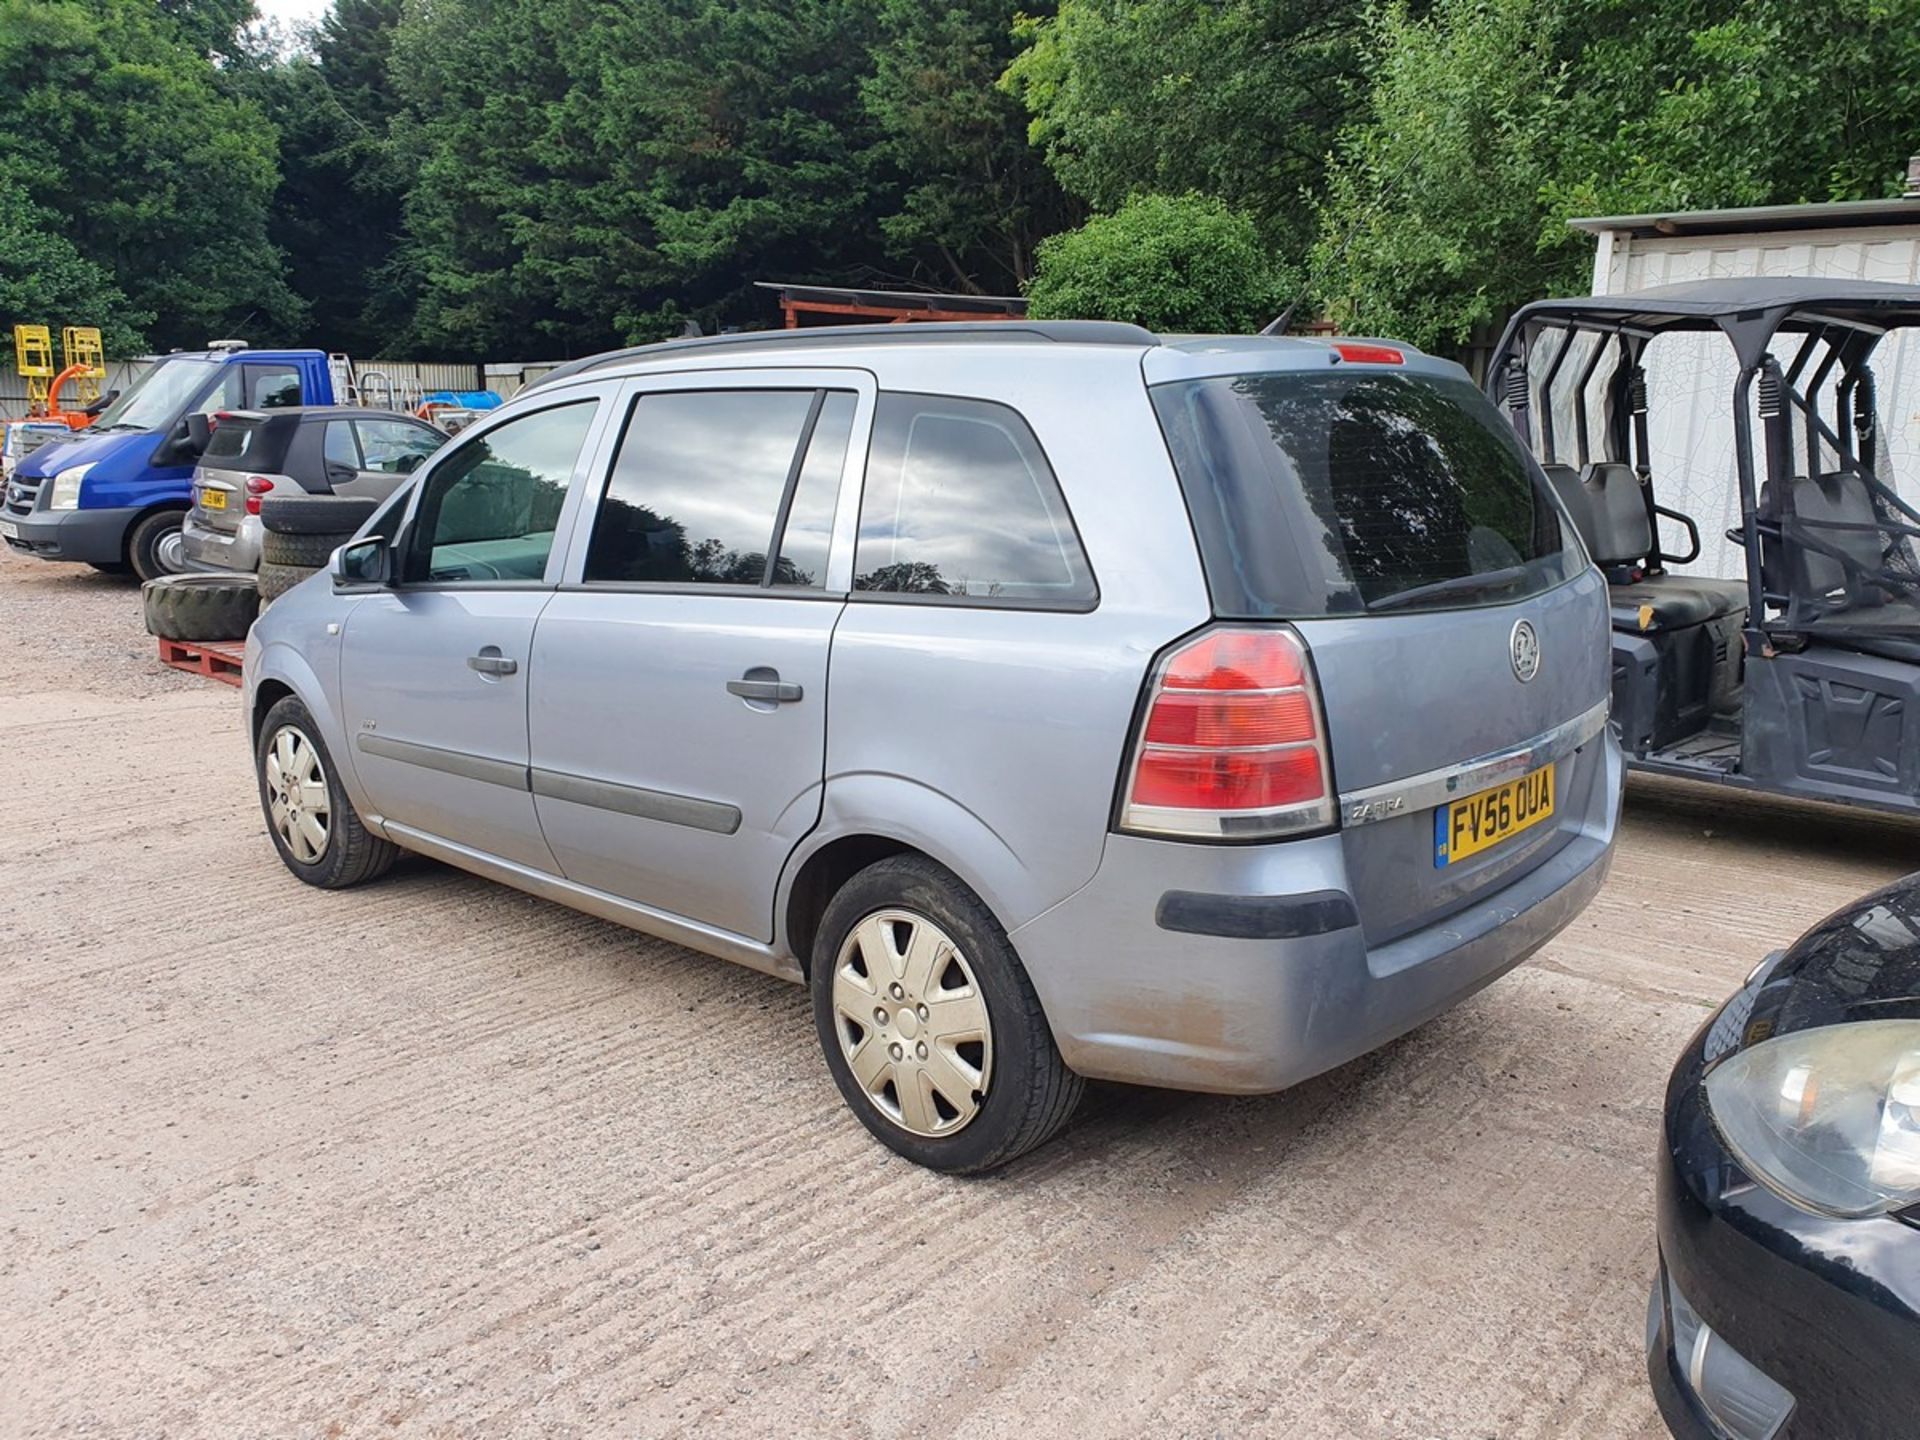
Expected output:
(199, 432)
(177, 448)
(361, 564)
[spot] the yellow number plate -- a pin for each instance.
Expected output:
(1479, 822)
(213, 499)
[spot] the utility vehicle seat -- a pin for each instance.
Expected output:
(1836, 497)
(1612, 519)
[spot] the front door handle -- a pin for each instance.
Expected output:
(760, 683)
(491, 662)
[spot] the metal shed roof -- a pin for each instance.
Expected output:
(1835, 215)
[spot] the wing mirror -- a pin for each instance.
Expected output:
(361, 565)
(199, 432)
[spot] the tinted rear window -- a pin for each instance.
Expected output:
(246, 445)
(1359, 491)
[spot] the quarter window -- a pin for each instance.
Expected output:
(489, 510)
(697, 486)
(809, 528)
(960, 502)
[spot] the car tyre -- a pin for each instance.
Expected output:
(276, 580)
(200, 607)
(314, 826)
(965, 1076)
(308, 552)
(154, 546)
(315, 514)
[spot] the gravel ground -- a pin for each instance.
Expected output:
(432, 1158)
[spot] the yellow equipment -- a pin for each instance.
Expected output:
(82, 361)
(33, 358)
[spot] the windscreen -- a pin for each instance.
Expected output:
(157, 396)
(1359, 492)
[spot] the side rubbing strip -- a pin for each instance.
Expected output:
(631, 800)
(451, 762)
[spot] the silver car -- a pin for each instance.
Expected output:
(1054, 701)
(311, 450)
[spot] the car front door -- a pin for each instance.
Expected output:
(369, 458)
(678, 707)
(434, 669)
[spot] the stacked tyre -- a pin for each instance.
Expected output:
(216, 606)
(299, 533)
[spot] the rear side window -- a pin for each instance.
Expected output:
(960, 503)
(1355, 492)
(697, 488)
(340, 446)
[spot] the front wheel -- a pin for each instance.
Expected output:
(929, 1023)
(314, 826)
(155, 546)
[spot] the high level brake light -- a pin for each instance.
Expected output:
(1234, 745)
(1369, 354)
(257, 486)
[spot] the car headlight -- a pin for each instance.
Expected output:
(65, 494)
(1829, 1117)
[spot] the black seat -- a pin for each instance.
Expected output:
(1836, 512)
(1611, 516)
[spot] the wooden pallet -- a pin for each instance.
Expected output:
(218, 658)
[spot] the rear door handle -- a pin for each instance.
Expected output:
(754, 687)
(491, 662)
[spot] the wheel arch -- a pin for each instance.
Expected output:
(866, 818)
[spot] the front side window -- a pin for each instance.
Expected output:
(696, 488)
(394, 447)
(489, 510)
(1355, 492)
(960, 502)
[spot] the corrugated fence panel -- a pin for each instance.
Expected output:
(1690, 378)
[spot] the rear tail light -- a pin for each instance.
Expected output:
(1234, 743)
(257, 485)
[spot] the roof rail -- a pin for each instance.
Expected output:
(1064, 332)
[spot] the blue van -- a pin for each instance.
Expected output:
(114, 495)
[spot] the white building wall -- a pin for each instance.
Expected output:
(1690, 378)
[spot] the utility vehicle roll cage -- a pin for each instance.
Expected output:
(1827, 547)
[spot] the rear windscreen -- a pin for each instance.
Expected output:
(245, 445)
(1356, 492)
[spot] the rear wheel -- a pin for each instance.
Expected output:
(929, 1023)
(155, 546)
(314, 826)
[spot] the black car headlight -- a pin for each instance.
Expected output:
(1828, 1118)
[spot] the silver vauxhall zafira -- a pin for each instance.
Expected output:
(1055, 701)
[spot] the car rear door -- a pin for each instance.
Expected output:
(678, 709)
(1457, 631)
(434, 671)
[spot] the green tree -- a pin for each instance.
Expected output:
(337, 212)
(122, 129)
(976, 198)
(1239, 99)
(587, 174)
(44, 280)
(1491, 122)
(1170, 263)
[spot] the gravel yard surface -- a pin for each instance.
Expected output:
(431, 1158)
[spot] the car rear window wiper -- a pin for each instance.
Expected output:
(1458, 585)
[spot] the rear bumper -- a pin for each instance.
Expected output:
(1286, 990)
(95, 536)
(210, 549)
